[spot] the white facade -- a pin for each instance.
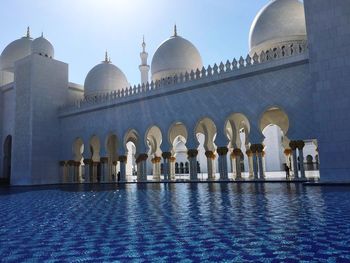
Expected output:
(240, 119)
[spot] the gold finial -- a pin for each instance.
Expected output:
(28, 32)
(143, 44)
(106, 57)
(175, 31)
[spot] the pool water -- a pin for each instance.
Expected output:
(175, 222)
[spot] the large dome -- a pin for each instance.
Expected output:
(103, 78)
(15, 51)
(278, 23)
(43, 47)
(174, 56)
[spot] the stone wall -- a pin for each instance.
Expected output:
(328, 26)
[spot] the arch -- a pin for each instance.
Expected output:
(112, 144)
(78, 149)
(207, 127)
(274, 125)
(237, 123)
(276, 116)
(153, 138)
(95, 147)
(131, 136)
(7, 153)
(175, 130)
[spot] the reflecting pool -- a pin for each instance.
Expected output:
(176, 222)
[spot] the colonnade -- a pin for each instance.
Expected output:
(106, 171)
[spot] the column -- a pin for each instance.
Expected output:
(254, 150)
(122, 160)
(166, 167)
(88, 170)
(300, 146)
(142, 167)
(114, 171)
(104, 170)
(233, 165)
(192, 158)
(210, 165)
(172, 167)
(250, 164)
(95, 171)
(77, 173)
(63, 167)
(71, 171)
(260, 150)
(237, 153)
(293, 146)
(287, 154)
(222, 152)
(156, 168)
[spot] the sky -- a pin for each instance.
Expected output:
(82, 30)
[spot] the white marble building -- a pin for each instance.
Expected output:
(286, 102)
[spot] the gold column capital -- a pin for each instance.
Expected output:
(222, 151)
(192, 153)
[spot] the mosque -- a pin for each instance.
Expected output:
(285, 104)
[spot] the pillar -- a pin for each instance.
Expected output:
(71, 171)
(192, 158)
(260, 150)
(222, 152)
(254, 150)
(94, 171)
(293, 146)
(210, 165)
(122, 160)
(250, 164)
(172, 167)
(156, 168)
(104, 170)
(78, 177)
(142, 167)
(63, 168)
(300, 146)
(166, 167)
(114, 172)
(237, 153)
(88, 171)
(233, 165)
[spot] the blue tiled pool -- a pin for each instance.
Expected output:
(175, 222)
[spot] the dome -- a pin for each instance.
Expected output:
(280, 22)
(104, 77)
(15, 51)
(174, 56)
(43, 47)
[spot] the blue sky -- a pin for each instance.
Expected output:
(81, 30)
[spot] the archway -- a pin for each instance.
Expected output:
(177, 138)
(7, 150)
(153, 141)
(95, 147)
(113, 168)
(274, 125)
(131, 142)
(78, 149)
(237, 131)
(206, 160)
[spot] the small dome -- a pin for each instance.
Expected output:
(43, 47)
(174, 56)
(15, 51)
(278, 23)
(103, 78)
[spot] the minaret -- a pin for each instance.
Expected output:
(144, 67)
